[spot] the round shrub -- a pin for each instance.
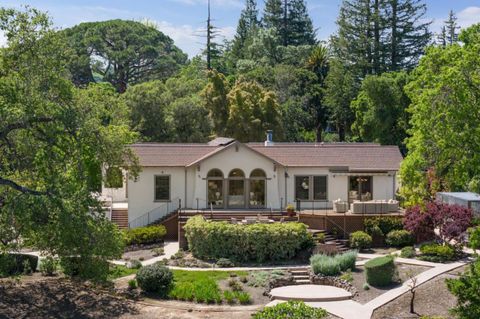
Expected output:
(408, 252)
(380, 271)
(347, 260)
(360, 240)
(155, 279)
(325, 265)
(48, 266)
(224, 263)
(291, 310)
(399, 238)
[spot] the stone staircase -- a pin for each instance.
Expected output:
(341, 245)
(301, 276)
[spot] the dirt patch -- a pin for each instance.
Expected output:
(432, 299)
(142, 254)
(365, 296)
(59, 298)
(256, 293)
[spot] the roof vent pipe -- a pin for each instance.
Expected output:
(269, 141)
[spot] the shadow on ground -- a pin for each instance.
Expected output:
(60, 298)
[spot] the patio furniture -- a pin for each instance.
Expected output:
(340, 206)
(233, 220)
(250, 220)
(374, 207)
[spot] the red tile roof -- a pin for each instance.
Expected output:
(351, 156)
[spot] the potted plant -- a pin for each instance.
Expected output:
(290, 210)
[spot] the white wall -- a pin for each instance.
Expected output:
(383, 187)
(141, 192)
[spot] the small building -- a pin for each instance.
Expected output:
(227, 175)
(466, 199)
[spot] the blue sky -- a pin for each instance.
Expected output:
(183, 20)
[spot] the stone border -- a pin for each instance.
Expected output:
(335, 282)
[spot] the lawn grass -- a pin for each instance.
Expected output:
(191, 276)
(118, 271)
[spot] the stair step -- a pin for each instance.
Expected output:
(301, 277)
(303, 281)
(299, 272)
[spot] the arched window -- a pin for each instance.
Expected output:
(236, 173)
(215, 173)
(258, 173)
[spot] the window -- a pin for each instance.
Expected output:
(311, 187)
(113, 178)
(162, 187)
(320, 187)
(215, 173)
(302, 187)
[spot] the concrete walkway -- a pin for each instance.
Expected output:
(170, 248)
(310, 293)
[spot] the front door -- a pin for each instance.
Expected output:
(215, 193)
(257, 193)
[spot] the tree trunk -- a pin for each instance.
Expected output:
(412, 303)
(341, 133)
(319, 133)
(376, 45)
(393, 44)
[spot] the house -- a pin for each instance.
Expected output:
(227, 175)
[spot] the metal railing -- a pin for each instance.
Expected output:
(156, 213)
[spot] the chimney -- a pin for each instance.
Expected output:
(269, 141)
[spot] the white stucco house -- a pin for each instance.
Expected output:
(226, 174)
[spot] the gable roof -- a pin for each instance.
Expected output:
(348, 156)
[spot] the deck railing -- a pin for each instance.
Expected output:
(156, 213)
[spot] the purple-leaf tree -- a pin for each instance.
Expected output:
(448, 222)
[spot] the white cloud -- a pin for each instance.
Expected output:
(468, 16)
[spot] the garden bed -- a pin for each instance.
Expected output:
(365, 296)
(143, 252)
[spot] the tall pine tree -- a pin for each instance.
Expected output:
(273, 17)
(451, 28)
(246, 28)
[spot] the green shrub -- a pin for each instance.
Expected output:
(256, 242)
(48, 266)
(465, 289)
(243, 297)
(399, 238)
(333, 265)
(437, 253)
(145, 235)
(224, 263)
(206, 290)
(347, 276)
(408, 252)
(15, 264)
(132, 284)
(383, 225)
(155, 279)
(88, 268)
(158, 251)
(366, 286)
(380, 271)
(360, 240)
(183, 291)
(347, 260)
(320, 237)
(244, 279)
(290, 310)
(235, 285)
(229, 297)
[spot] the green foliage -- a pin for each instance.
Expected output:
(347, 276)
(382, 225)
(16, 264)
(145, 235)
(243, 298)
(380, 271)
(408, 252)
(379, 109)
(466, 289)
(257, 242)
(291, 310)
(474, 237)
(437, 253)
(360, 240)
(134, 264)
(229, 297)
(55, 139)
(155, 279)
(333, 265)
(262, 278)
(399, 238)
(366, 286)
(122, 52)
(87, 268)
(118, 271)
(132, 284)
(48, 266)
(439, 142)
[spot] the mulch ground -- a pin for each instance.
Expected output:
(432, 299)
(59, 298)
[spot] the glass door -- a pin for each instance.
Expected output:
(360, 188)
(236, 193)
(257, 193)
(215, 193)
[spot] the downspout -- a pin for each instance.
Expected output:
(185, 193)
(394, 184)
(285, 178)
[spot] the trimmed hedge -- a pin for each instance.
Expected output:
(408, 252)
(382, 225)
(437, 253)
(360, 240)
(155, 279)
(14, 264)
(256, 242)
(380, 271)
(399, 238)
(145, 235)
